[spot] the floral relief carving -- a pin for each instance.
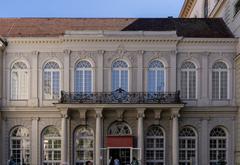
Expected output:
(13, 122)
(44, 122)
(46, 56)
(81, 55)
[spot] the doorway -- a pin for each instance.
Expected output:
(123, 154)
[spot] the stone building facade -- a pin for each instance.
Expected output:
(229, 10)
(119, 81)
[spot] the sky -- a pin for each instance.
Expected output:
(90, 8)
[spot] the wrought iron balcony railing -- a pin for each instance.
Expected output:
(120, 96)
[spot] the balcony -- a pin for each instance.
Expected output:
(120, 96)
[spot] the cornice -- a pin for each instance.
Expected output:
(210, 40)
(187, 8)
(63, 40)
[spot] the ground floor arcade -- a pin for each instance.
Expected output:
(168, 135)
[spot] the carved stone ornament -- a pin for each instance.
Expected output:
(98, 113)
(67, 51)
(121, 49)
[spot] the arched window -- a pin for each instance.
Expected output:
(83, 77)
(156, 77)
(155, 146)
(20, 145)
(187, 146)
(120, 75)
(119, 129)
(188, 80)
(218, 145)
(19, 81)
(219, 81)
(51, 80)
(83, 145)
(51, 146)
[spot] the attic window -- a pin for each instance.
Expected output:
(237, 7)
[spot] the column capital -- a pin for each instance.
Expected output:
(175, 112)
(35, 118)
(67, 51)
(98, 112)
(140, 112)
(64, 112)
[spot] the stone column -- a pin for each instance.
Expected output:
(64, 149)
(141, 116)
(175, 147)
(35, 139)
(98, 142)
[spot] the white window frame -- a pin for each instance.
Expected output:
(120, 70)
(154, 149)
(188, 70)
(20, 73)
(20, 149)
(217, 138)
(83, 149)
(156, 69)
(186, 148)
(52, 150)
(83, 70)
(219, 71)
(51, 72)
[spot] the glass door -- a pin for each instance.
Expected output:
(123, 155)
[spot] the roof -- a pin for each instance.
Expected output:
(50, 27)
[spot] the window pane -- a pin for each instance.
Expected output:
(47, 85)
(192, 84)
(223, 85)
(215, 85)
(184, 84)
(124, 80)
(160, 81)
(56, 85)
(88, 81)
(115, 80)
(151, 80)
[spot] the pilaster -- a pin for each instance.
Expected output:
(66, 72)
(35, 141)
(34, 80)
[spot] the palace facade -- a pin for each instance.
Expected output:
(75, 90)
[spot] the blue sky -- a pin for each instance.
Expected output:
(90, 8)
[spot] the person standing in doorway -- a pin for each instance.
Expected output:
(116, 161)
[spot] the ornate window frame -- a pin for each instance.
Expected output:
(187, 69)
(53, 68)
(88, 137)
(119, 128)
(21, 69)
(154, 143)
(220, 70)
(120, 68)
(216, 140)
(186, 139)
(86, 66)
(156, 66)
(51, 144)
(16, 144)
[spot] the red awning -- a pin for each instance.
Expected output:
(119, 141)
